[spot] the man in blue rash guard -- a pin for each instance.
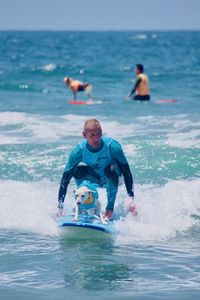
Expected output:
(101, 161)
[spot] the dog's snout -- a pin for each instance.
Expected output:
(78, 199)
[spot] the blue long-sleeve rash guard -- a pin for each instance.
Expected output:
(76, 157)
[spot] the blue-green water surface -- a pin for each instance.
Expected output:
(155, 255)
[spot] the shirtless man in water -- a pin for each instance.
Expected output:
(141, 86)
(78, 86)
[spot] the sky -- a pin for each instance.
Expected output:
(100, 15)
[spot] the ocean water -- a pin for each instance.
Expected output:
(155, 255)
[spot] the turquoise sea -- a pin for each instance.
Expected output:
(157, 254)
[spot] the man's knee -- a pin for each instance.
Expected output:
(80, 172)
(84, 171)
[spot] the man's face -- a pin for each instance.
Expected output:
(137, 71)
(93, 137)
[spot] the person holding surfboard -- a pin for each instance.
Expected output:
(78, 86)
(101, 161)
(141, 86)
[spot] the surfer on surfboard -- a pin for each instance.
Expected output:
(101, 161)
(78, 86)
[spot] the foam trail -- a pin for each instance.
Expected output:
(28, 206)
(21, 128)
(164, 211)
(18, 128)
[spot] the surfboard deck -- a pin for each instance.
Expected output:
(159, 101)
(166, 101)
(84, 102)
(86, 227)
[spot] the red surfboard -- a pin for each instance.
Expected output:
(166, 101)
(83, 102)
(78, 102)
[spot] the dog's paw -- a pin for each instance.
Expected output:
(96, 216)
(104, 221)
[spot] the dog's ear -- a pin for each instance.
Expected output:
(91, 191)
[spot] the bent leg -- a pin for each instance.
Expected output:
(82, 173)
(112, 181)
(74, 93)
(88, 89)
(111, 195)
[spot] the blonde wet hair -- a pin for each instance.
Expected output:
(91, 124)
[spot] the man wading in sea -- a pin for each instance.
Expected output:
(141, 86)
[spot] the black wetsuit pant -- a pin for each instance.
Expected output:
(141, 98)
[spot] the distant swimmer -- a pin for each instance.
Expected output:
(141, 86)
(78, 86)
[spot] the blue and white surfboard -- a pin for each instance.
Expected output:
(86, 227)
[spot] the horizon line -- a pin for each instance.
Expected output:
(99, 30)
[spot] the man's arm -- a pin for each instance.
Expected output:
(137, 82)
(128, 178)
(66, 177)
(118, 155)
(73, 161)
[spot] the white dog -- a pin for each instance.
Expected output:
(86, 197)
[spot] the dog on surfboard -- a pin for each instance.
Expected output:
(86, 201)
(78, 86)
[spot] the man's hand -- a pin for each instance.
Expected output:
(60, 212)
(132, 207)
(108, 215)
(133, 210)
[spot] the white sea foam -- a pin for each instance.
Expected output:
(17, 127)
(26, 128)
(129, 149)
(139, 37)
(163, 211)
(184, 139)
(181, 131)
(46, 68)
(28, 206)
(186, 134)
(23, 86)
(49, 67)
